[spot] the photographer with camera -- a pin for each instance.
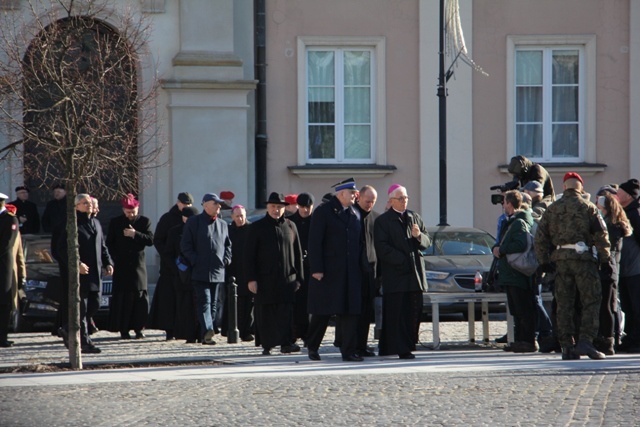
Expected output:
(524, 171)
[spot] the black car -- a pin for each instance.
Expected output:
(452, 261)
(39, 300)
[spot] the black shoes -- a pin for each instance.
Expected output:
(140, 335)
(502, 340)
(266, 352)
(291, 348)
(125, 335)
(247, 338)
(313, 355)
(352, 358)
(407, 356)
(6, 343)
(90, 349)
(586, 348)
(367, 353)
(522, 347)
(549, 344)
(569, 353)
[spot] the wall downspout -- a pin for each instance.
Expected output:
(261, 139)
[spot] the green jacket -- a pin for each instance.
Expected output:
(513, 238)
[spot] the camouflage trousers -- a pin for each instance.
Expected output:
(577, 286)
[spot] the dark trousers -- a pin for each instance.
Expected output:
(367, 313)
(5, 319)
(544, 326)
(630, 304)
(523, 308)
(346, 328)
(245, 315)
(608, 308)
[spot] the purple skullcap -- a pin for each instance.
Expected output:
(393, 188)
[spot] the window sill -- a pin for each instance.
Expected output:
(584, 169)
(340, 171)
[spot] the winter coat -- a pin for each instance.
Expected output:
(335, 245)
(273, 258)
(130, 269)
(207, 246)
(513, 239)
(399, 254)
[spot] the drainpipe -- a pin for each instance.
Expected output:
(261, 103)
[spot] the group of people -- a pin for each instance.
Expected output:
(589, 252)
(296, 269)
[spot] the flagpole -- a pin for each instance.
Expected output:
(442, 124)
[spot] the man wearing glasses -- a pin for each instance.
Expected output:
(207, 246)
(399, 236)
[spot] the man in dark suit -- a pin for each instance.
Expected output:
(27, 212)
(8, 235)
(335, 286)
(364, 207)
(399, 236)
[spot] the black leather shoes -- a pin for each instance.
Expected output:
(140, 335)
(407, 356)
(266, 351)
(90, 349)
(313, 355)
(6, 344)
(247, 338)
(125, 335)
(367, 353)
(569, 353)
(291, 348)
(352, 358)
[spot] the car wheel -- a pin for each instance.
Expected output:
(19, 323)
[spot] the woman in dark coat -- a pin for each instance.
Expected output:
(186, 322)
(273, 263)
(129, 235)
(521, 297)
(618, 227)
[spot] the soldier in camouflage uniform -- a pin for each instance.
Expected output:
(568, 221)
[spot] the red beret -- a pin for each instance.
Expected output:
(574, 175)
(227, 195)
(11, 208)
(130, 202)
(292, 199)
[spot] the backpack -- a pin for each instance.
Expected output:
(524, 262)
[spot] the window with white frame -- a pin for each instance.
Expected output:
(340, 107)
(549, 92)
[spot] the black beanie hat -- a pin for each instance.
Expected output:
(631, 187)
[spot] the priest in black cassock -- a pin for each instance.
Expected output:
(273, 264)
(399, 236)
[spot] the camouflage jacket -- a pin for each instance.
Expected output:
(568, 221)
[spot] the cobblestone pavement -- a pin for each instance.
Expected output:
(464, 385)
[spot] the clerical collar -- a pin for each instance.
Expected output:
(398, 212)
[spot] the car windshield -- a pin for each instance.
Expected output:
(39, 252)
(460, 243)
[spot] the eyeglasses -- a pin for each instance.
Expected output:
(401, 198)
(84, 203)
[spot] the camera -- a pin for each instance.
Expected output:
(497, 199)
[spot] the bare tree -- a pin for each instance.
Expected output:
(75, 108)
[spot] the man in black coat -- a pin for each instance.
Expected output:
(8, 235)
(273, 263)
(238, 232)
(163, 306)
(399, 236)
(186, 322)
(524, 171)
(302, 220)
(129, 235)
(94, 256)
(27, 212)
(366, 201)
(335, 287)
